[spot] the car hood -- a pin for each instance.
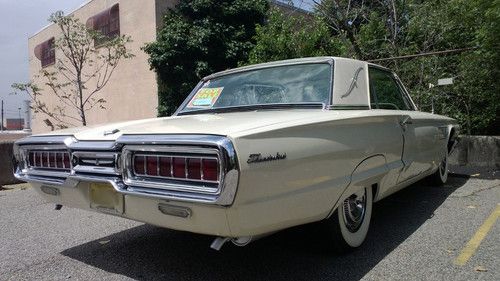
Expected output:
(214, 124)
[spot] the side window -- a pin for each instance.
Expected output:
(385, 92)
(107, 22)
(46, 52)
(405, 95)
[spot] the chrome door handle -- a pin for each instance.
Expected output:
(405, 121)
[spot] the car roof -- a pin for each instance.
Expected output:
(324, 59)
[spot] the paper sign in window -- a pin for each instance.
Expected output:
(205, 97)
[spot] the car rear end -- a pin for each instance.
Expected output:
(183, 182)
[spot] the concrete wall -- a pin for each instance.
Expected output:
(477, 151)
(6, 176)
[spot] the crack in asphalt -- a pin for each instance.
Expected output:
(474, 192)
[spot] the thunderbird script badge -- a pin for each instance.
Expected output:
(257, 157)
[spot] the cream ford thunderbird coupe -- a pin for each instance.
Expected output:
(252, 151)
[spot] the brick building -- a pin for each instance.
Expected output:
(14, 124)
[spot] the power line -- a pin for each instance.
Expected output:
(426, 54)
(1, 126)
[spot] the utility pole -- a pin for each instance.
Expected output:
(27, 117)
(20, 124)
(1, 125)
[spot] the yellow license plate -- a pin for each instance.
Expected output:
(103, 197)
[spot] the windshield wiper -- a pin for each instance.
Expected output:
(255, 107)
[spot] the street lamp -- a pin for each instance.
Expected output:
(441, 82)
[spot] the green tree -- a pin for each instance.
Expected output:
(390, 28)
(455, 24)
(285, 37)
(200, 37)
(81, 71)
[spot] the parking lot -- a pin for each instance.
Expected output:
(419, 233)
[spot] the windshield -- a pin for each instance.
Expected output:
(281, 85)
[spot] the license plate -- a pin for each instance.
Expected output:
(103, 197)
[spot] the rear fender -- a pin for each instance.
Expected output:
(368, 172)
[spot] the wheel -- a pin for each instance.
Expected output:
(348, 226)
(441, 175)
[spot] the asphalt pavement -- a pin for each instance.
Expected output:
(416, 234)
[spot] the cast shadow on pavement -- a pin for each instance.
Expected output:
(152, 253)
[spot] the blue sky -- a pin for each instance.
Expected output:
(19, 19)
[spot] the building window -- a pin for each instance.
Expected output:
(107, 22)
(46, 52)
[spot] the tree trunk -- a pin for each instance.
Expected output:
(80, 96)
(354, 43)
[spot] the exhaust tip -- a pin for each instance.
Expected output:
(219, 242)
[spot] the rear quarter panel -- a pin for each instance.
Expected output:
(320, 159)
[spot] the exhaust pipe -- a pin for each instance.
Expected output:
(219, 242)
(238, 241)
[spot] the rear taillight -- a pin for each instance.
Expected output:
(140, 165)
(194, 168)
(177, 167)
(152, 165)
(49, 159)
(210, 169)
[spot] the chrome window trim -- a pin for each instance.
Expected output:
(292, 62)
(405, 92)
(289, 62)
(223, 145)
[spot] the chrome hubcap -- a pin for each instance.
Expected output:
(354, 208)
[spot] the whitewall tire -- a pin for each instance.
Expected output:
(350, 223)
(441, 175)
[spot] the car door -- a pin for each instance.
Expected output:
(387, 94)
(428, 133)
